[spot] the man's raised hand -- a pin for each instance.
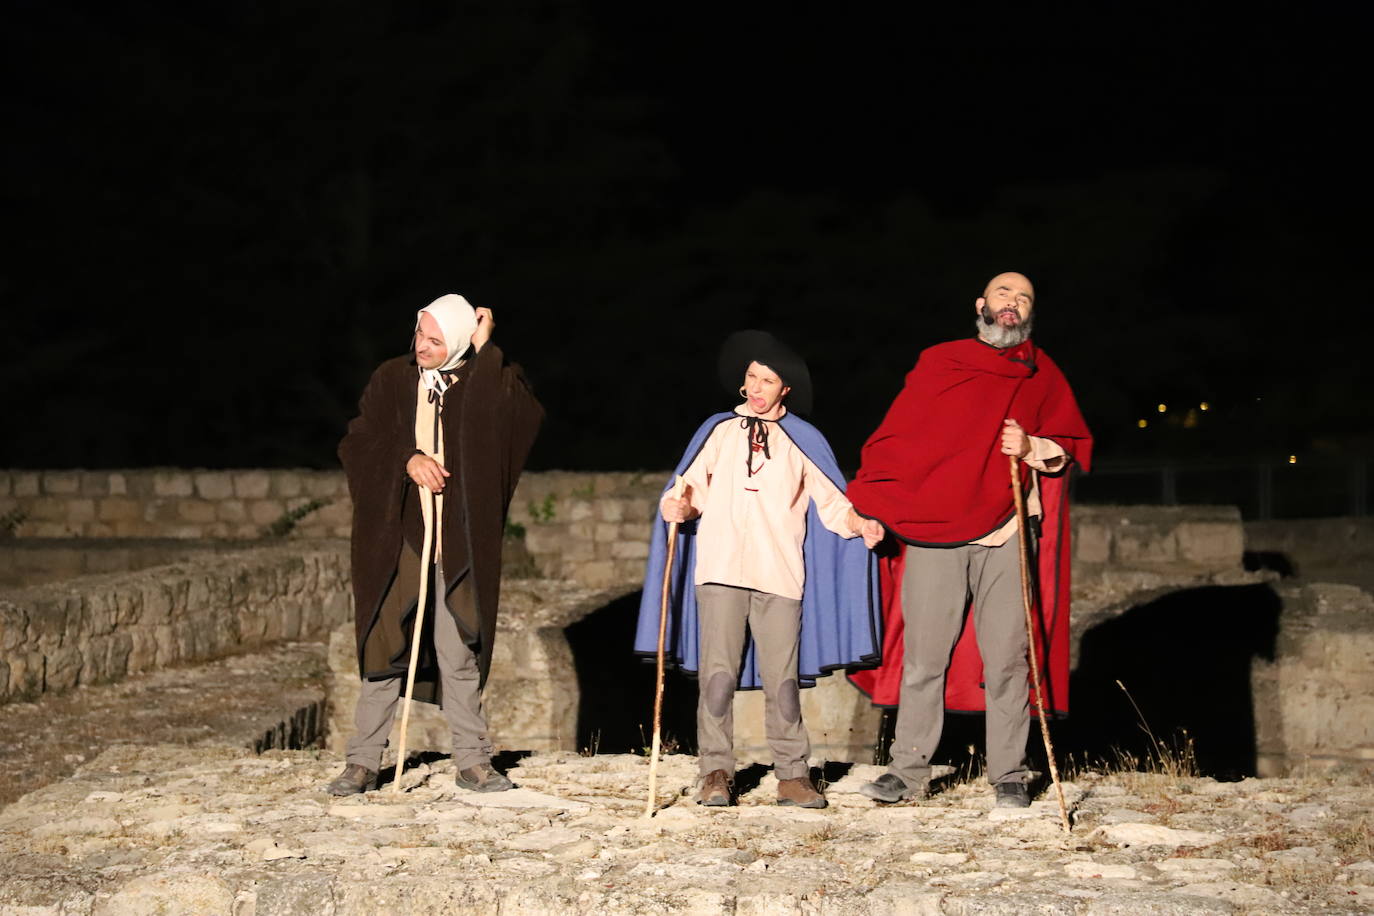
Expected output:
(485, 326)
(678, 510)
(871, 533)
(426, 472)
(1014, 439)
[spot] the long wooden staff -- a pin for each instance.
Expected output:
(652, 801)
(430, 521)
(1023, 536)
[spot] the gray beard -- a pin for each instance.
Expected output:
(993, 334)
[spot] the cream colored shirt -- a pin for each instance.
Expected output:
(1044, 455)
(752, 526)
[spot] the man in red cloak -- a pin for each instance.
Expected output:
(936, 474)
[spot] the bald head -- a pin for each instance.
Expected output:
(1013, 282)
(1004, 310)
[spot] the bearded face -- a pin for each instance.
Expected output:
(1002, 327)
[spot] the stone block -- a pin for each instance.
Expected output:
(1145, 544)
(173, 483)
(252, 484)
(611, 510)
(607, 532)
(195, 510)
(131, 528)
(61, 483)
(80, 510)
(630, 550)
(24, 483)
(95, 483)
(320, 484)
(265, 511)
(1211, 543)
(545, 539)
(118, 509)
(214, 484)
(6, 483)
(49, 530)
(596, 574)
(636, 531)
(119, 486)
(285, 484)
(339, 512)
(46, 509)
(231, 510)
(1092, 543)
(581, 510)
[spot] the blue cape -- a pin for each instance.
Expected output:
(841, 615)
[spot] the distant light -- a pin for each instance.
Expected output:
(1142, 423)
(1162, 407)
(1204, 406)
(1292, 459)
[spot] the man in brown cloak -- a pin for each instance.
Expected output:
(442, 432)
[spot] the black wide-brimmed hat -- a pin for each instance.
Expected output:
(744, 347)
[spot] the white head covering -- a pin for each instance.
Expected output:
(457, 321)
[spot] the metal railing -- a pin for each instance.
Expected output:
(1262, 490)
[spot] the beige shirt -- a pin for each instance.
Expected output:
(1044, 455)
(752, 525)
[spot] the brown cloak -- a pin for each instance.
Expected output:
(487, 436)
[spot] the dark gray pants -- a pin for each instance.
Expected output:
(462, 701)
(936, 586)
(775, 623)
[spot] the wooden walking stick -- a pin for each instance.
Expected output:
(431, 516)
(1023, 537)
(652, 801)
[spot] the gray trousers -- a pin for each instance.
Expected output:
(723, 612)
(936, 586)
(462, 700)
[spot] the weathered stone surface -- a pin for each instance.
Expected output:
(222, 831)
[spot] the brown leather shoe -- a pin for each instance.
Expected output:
(715, 789)
(355, 779)
(483, 778)
(800, 793)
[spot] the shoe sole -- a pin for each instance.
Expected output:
(339, 792)
(483, 787)
(818, 803)
(887, 799)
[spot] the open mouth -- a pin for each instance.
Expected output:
(757, 404)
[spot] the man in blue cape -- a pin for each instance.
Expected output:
(771, 585)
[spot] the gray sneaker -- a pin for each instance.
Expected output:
(890, 788)
(354, 780)
(483, 778)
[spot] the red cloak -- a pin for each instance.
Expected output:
(933, 473)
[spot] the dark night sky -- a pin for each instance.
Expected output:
(220, 219)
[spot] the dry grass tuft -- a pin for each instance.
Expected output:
(1354, 840)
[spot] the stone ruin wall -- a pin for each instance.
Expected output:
(590, 530)
(103, 628)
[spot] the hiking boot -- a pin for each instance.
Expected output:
(354, 780)
(1012, 795)
(483, 778)
(800, 793)
(890, 788)
(715, 789)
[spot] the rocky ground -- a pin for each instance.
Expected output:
(171, 830)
